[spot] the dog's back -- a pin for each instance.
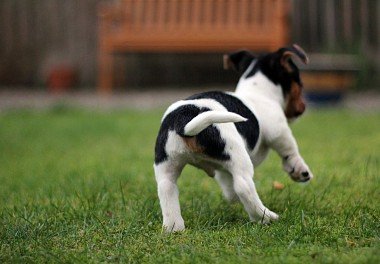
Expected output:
(209, 140)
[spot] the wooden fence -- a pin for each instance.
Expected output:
(35, 35)
(337, 25)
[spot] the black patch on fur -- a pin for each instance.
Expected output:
(249, 130)
(241, 60)
(176, 120)
(270, 66)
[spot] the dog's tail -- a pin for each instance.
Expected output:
(205, 119)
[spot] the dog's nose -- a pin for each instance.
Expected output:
(305, 176)
(300, 109)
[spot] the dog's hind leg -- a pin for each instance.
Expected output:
(242, 173)
(225, 182)
(167, 174)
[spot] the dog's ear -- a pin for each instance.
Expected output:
(238, 61)
(288, 52)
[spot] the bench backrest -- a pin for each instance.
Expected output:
(260, 23)
(195, 15)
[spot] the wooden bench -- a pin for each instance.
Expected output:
(188, 26)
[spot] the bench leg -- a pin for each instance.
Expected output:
(106, 72)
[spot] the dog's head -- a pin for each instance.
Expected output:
(279, 68)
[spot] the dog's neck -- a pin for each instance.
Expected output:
(260, 86)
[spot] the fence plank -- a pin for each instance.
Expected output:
(364, 23)
(347, 20)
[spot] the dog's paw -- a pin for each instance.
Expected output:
(297, 169)
(174, 226)
(265, 216)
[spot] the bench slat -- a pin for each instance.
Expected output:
(196, 15)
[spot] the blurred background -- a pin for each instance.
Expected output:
(54, 46)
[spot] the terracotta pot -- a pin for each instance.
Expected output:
(61, 79)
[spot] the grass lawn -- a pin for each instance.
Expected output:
(78, 186)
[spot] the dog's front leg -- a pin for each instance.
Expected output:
(286, 146)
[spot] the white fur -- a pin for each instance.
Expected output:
(209, 103)
(235, 176)
(267, 101)
(203, 120)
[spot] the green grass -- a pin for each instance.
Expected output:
(78, 186)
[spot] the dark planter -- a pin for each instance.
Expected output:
(328, 78)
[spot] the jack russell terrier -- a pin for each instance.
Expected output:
(228, 134)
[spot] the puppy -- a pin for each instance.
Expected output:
(229, 134)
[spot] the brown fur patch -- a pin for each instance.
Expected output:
(192, 144)
(295, 104)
